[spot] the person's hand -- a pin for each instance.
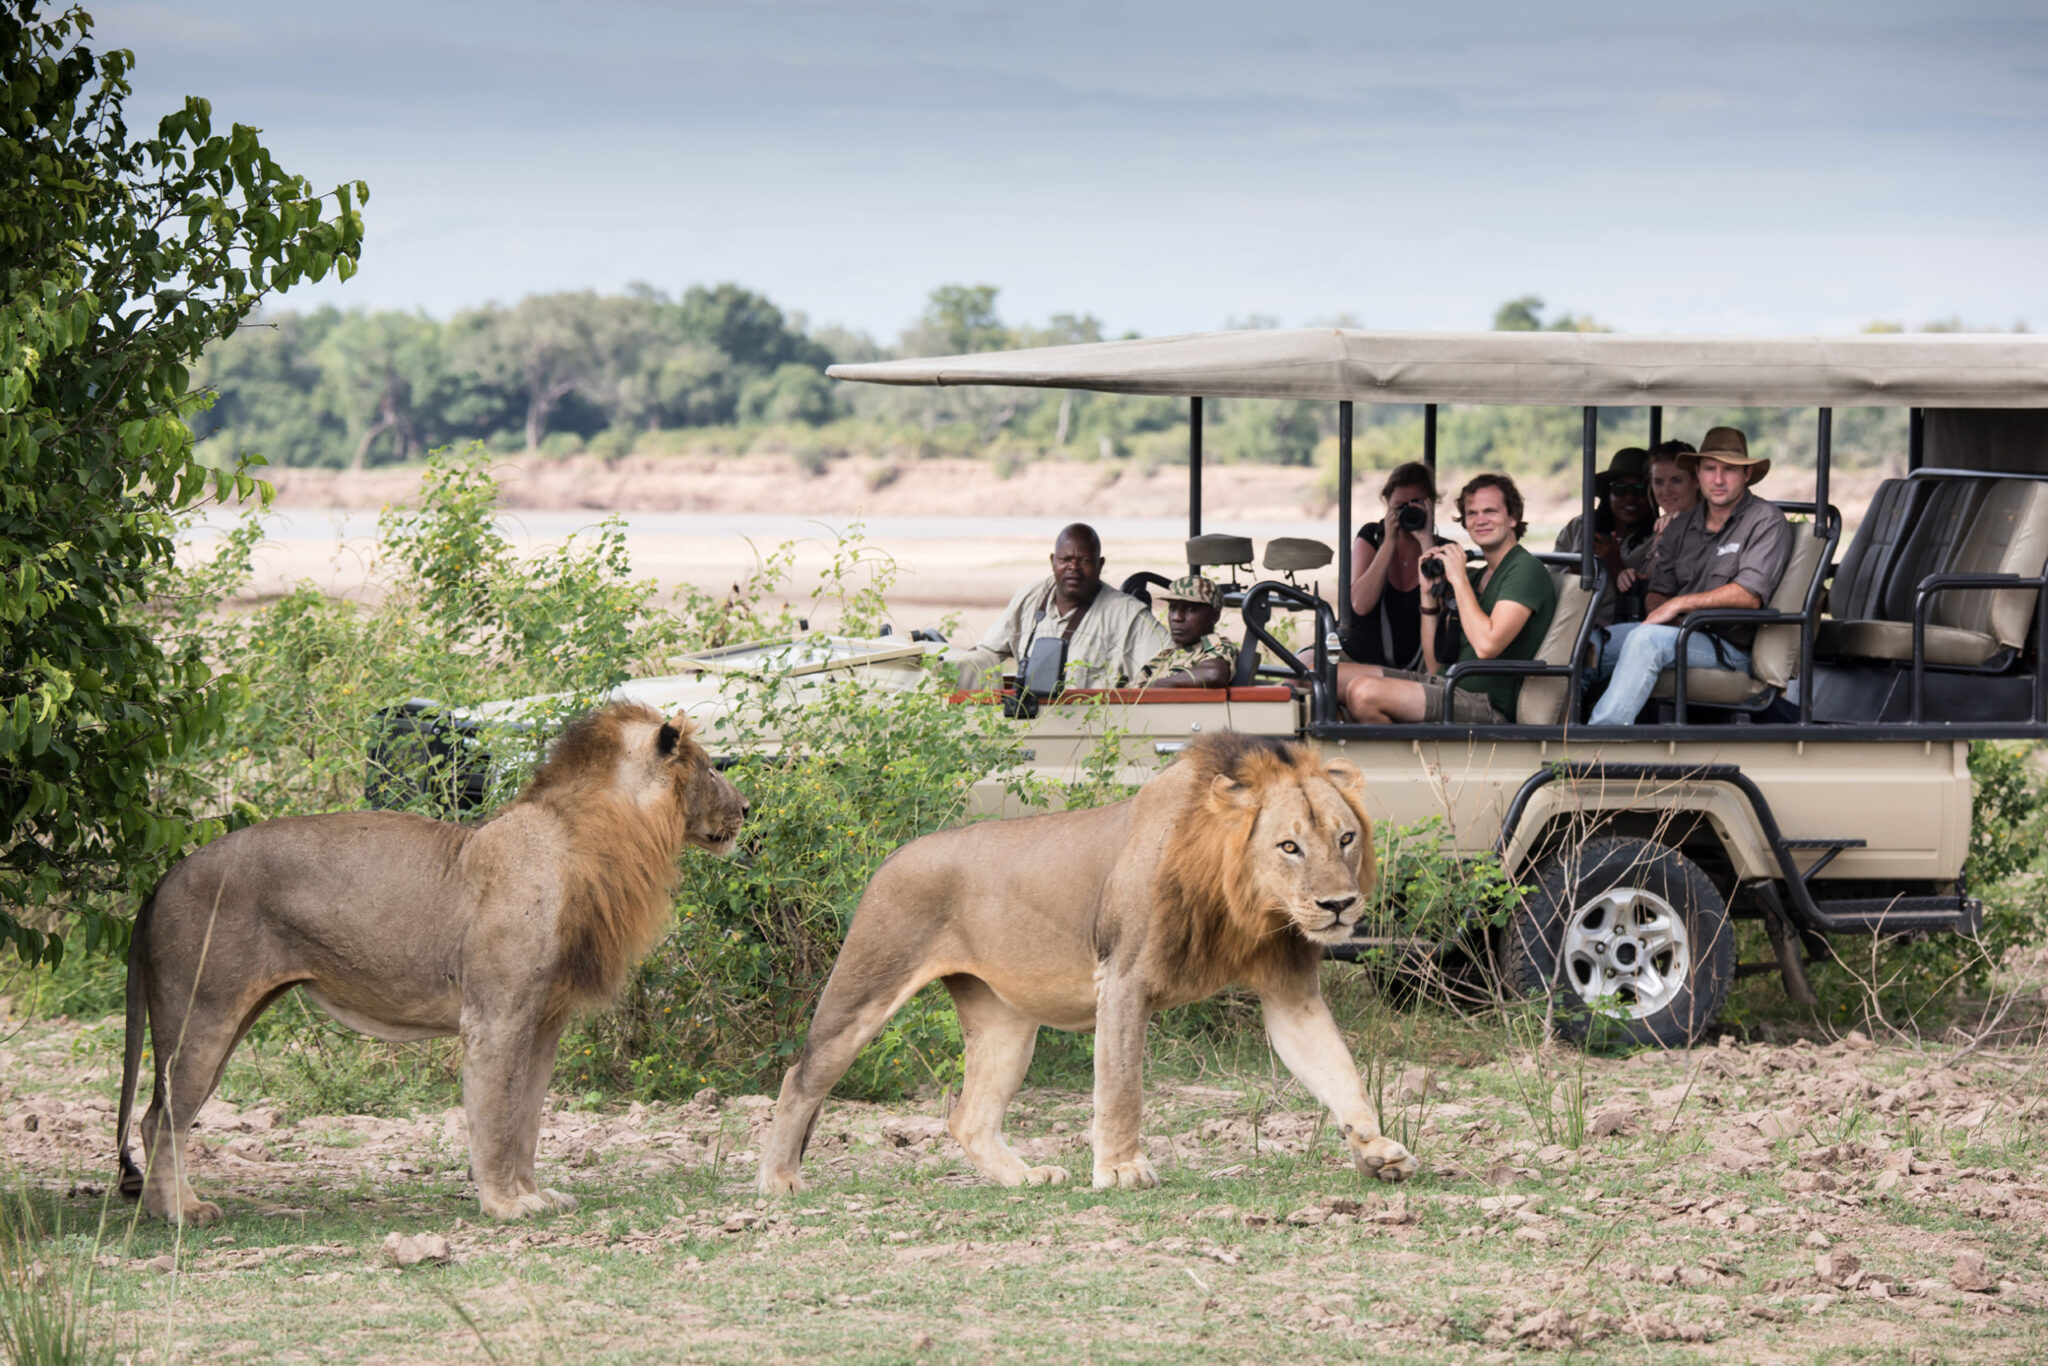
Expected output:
(1666, 613)
(1626, 579)
(1451, 557)
(1663, 520)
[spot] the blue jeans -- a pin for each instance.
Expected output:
(1634, 654)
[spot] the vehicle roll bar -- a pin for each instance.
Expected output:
(1257, 610)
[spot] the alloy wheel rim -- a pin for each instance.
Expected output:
(1627, 950)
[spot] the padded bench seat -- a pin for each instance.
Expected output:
(1969, 526)
(1952, 645)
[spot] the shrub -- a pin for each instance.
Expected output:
(119, 260)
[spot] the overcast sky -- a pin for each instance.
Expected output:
(1715, 167)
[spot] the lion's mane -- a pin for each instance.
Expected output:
(1215, 917)
(621, 870)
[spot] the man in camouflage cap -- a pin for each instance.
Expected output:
(1197, 658)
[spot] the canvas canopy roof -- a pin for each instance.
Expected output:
(1566, 368)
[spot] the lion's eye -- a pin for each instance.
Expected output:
(1346, 838)
(1290, 847)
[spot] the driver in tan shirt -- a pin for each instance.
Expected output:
(1110, 636)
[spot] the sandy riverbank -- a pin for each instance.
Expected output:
(962, 536)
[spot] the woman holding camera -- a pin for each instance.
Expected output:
(1386, 572)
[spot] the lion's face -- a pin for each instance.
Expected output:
(715, 807)
(1310, 850)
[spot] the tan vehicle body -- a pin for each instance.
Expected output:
(1908, 800)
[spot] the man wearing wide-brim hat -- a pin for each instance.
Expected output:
(1728, 550)
(1198, 657)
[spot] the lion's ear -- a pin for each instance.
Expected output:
(1345, 775)
(666, 740)
(1226, 791)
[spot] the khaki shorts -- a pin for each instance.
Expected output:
(1467, 707)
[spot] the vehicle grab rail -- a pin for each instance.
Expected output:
(1936, 584)
(1259, 602)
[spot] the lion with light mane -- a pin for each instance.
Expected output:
(1235, 866)
(409, 928)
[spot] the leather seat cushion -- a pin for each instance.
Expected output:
(1719, 687)
(1894, 640)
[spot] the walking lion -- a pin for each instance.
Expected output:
(1236, 865)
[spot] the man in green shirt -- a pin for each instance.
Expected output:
(1504, 607)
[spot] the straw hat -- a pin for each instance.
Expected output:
(1729, 446)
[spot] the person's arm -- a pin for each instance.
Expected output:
(1203, 673)
(1432, 614)
(1144, 641)
(1766, 547)
(1488, 632)
(1664, 611)
(1369, 575)
(1000, 639)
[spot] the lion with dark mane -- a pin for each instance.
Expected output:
(1235, 866)
(408, 928)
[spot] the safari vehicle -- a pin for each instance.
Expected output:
(1825, 792)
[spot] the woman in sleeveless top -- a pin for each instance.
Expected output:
(1386, 574)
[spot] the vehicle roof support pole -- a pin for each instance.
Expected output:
(1823, 457)
(1823, 527)
(1916, 439)
(1656, 427)
(1589, 460)
(1194, 470)
(1429, 436)
(1344, 514)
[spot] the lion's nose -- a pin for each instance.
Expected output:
(1337, 905)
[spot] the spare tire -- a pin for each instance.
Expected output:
(1629, 933)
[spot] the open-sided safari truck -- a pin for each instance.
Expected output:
(1825, 792)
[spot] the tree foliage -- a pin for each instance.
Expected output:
(120, 259)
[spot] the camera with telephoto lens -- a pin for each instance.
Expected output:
(1411, 517)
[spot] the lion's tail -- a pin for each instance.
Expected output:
(131, 1056)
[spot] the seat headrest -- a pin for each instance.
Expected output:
(1219, 548)
(1290, 553)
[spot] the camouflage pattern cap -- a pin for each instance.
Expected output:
(1193, 588)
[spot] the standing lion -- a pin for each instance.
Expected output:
(1236, 865)
(409, 928)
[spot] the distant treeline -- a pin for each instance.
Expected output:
(723, 368)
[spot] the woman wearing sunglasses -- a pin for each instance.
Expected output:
(1624, 522)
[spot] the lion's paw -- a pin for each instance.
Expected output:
(1136, 1174)
(1045, 1176)
(189, 1210)
(559, 1200)
(1384, 1158)
(781, 1183)
(199, 1213)
(520, 1206)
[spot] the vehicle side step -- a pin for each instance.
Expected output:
(1901, 915)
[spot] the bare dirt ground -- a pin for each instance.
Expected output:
(1795, 1202)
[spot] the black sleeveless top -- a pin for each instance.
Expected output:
(1365, 642)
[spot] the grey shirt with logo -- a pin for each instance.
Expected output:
(1750, 550)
